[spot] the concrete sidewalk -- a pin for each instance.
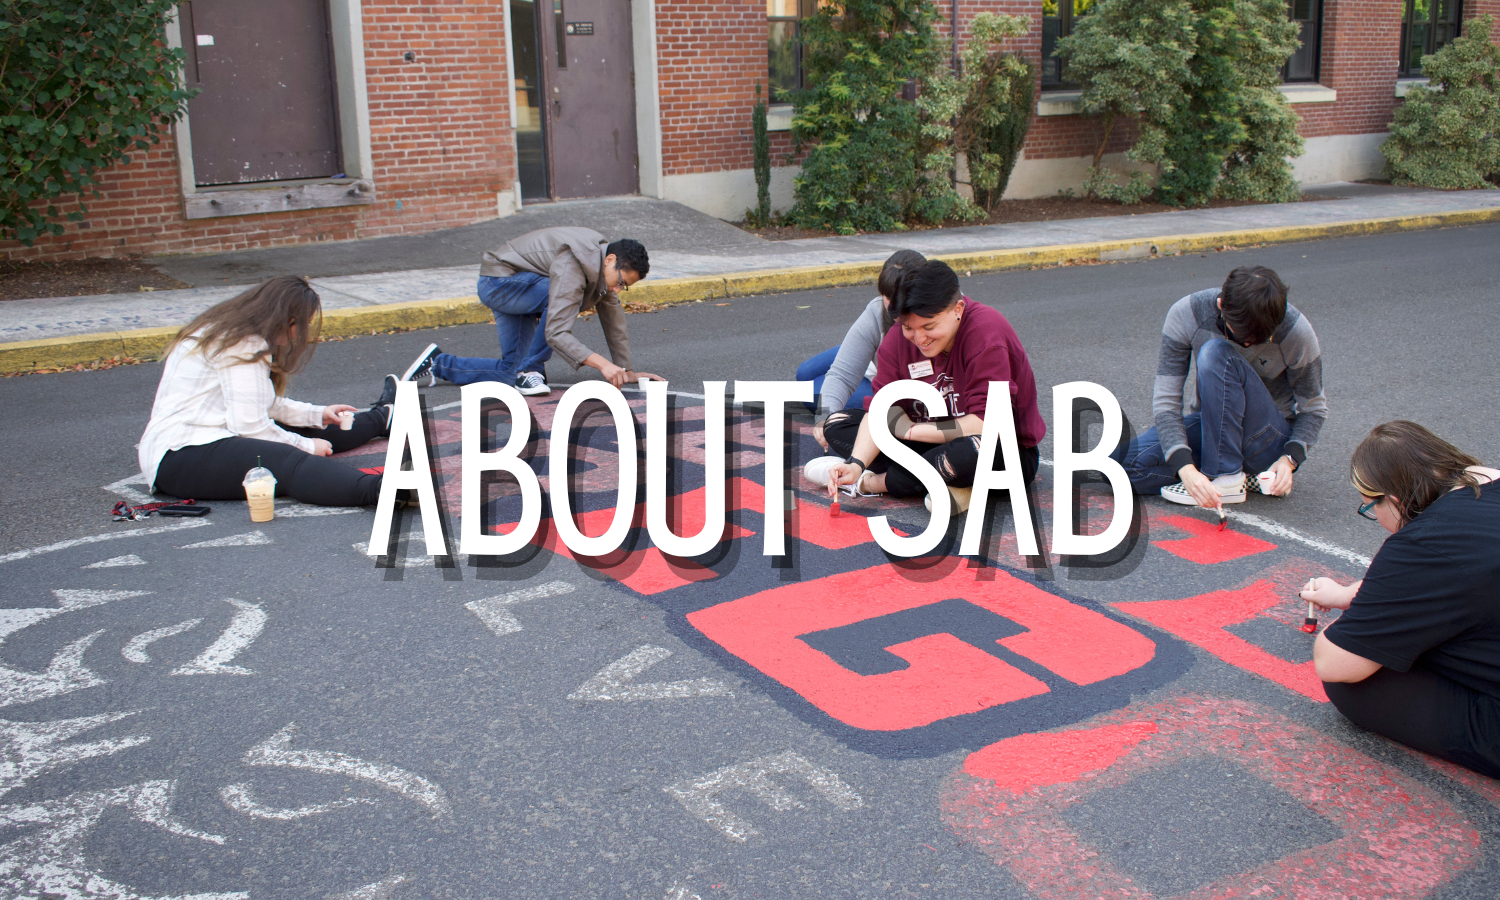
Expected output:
(410, 282)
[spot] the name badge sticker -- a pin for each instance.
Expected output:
(921, 369)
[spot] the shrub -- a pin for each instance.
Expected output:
(1448, 136)
(984, 112)
(866, 169)
(1202, 78)
(82, 82)
(760, 217)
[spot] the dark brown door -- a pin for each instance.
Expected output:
(590, 89)
(268, 111)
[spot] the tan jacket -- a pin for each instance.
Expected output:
(572, 258)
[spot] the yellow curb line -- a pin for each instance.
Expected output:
(28, 356)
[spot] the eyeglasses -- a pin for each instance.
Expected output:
(620, 284)
(1229, 333)
(1365, 509)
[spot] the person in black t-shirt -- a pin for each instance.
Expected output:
(1416, 654)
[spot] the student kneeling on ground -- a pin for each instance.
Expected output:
(221, 408)
(842, 375)
(1259, 403)
(958, 346)
(1416, 654)
(537, 286)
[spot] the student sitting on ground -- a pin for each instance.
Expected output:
(1416, 654)
(537, 286)
(222, 395)
(841, 375)
(958, 346)
(1259, 403)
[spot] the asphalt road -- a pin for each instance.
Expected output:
(275, 714)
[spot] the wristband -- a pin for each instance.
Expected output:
(851, 458)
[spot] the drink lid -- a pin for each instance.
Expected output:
(259, 473)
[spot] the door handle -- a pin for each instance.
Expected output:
(557, 108)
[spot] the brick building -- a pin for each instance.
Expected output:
(340, 119)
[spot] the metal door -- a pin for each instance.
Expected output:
(268, 111)
(590, 86)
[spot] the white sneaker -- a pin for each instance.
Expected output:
(1231, 490)
(532, 384)
(817, 470)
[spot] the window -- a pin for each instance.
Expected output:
(1427, 26)
(784, 50)
(1303, 66)
(1058, 17)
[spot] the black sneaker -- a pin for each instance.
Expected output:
(387, 392)
(385, 405)
(422, 366)
(532, 384)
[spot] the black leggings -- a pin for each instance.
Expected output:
(1427, 711)
(956, 461)
(216, 471)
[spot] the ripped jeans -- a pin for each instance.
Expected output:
(956, 461)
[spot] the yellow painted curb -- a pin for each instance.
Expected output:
(28, 356)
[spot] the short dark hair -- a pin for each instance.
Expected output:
(926, 290)
(1403, 460)
(898, 265)
(629, 254)
(1254, 303)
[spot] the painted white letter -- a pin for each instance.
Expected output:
(999, 424)
(557, 468)
(406, 427)
(775, 395)
(1065, 462)
(901, 455)
(656, 471)
(507, 459)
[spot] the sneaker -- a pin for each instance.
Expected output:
(534, 384)
(1231, 490)
(422, 366)
(387, 392)
(817, 470)
(958, 503)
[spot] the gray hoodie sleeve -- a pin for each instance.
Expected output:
(854, 357)
(1171, 375)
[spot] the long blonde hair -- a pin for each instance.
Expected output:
(283, 311)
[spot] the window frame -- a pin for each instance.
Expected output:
(1317, 45)
(805, 8)
(1404, 68)
(1066, 19)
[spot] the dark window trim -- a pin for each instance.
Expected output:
(1404, 67)
(1317, 45)
(1065, 28)
(805, 8)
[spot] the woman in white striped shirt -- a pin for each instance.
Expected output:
(221, 407)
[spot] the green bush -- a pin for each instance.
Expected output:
(82, 82)
(1448, 136)
(985, 112)
(760, 217)
(1202, 78)
(866, 166)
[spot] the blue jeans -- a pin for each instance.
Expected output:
(816, 370)
(1238, 427)
(519, 303)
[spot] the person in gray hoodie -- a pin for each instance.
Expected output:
(841, 375)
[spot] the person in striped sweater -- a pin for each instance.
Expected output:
(1258, 402)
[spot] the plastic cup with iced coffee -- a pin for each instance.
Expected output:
(260, 491)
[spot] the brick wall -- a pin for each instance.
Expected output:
(709, 55)
(440, 136)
